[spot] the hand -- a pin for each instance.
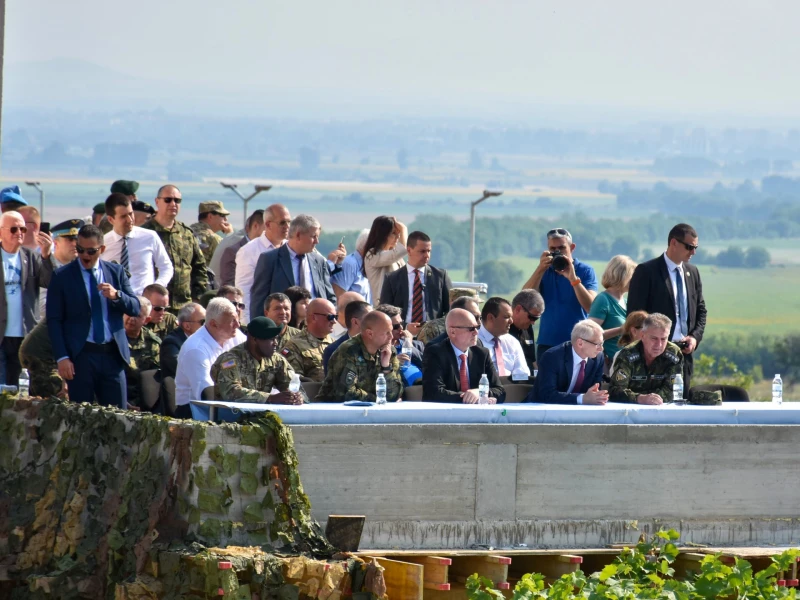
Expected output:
(692, 344)
(386, 356)
(66, 369)
(108, 290)
(545, 260)
(338, 255)
(286, 397)
(403, 358)
(595, 395)
(45, 242)
(413, 328)
(470, 397)
(227, 228)
(569, 272)
(651, 399)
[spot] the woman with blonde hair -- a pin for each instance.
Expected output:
(609, 309)
(384, 251)
(631, 331)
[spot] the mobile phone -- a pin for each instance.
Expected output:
(44, 227)
(342, 240)
(682, 344)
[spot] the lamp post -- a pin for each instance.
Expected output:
(486, 194)
(234, 188)
(35, 184)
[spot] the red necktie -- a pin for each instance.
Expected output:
(579, 380)
(462, 373)
(416, 308)
(498, 355)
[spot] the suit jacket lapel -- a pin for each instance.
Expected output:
(668, 282)
(568, 365)
(79, 272)
(23, 265)
(404, 291)
(285, 258)
(688, 280)
(429, 291)
(314, 265)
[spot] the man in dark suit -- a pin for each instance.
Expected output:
(23, 272)
(671, 286)
(570, 373)
(452, 368)
(422, 292)
(85, 304)
(294, 263)
(191, 317)
(223, 263)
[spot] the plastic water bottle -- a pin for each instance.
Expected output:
(677, 389)
(24, 384)
(380, 389)
(777, 390)
(483, 390)
(407, 349)
(294, 384)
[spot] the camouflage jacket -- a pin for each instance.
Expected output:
(167, 325)
(431, 329)
(632, 376)
(145, 355)
(284, 337)
(36, 355)
(206, 239)
(304, 353)
(239, 376)
(189, 279)
(352, 372)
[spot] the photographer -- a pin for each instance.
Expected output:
(568, 287)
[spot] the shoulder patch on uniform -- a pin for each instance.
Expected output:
(620, 376)
(631, 357)
(351, 378)
(285, 351)
(228, 364)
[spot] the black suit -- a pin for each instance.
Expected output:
(440, 373)
(436, 293)
(651, 290)
(170, 348)
(555, 375)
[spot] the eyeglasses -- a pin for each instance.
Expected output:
(326, 315)
(15, 229)
(396, 326)
(595, 344)
(239, 305)
(471, 329)
(89, 251)
(159, 308)
(216, 214)
(201, 321)
(689, 247)
(170, 200)
(559, 233)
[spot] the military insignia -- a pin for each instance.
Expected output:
(673, 357)
(228, 364)
(351, 378)
(633, 357)
(360, 359)
(620, 376)
(285, 352)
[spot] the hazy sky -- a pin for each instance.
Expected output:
(685, 56)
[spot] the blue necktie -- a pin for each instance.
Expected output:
(98, 327)
(683, 322)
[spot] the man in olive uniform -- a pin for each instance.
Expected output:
(643, 371)
(249, 372)
(304, 351)
(278, 307)
(145, 349)
(189, 279)
(212, 218)
(436, 327)
(355, 366)
(161, 322)
(36, 355)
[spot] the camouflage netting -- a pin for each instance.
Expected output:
(91, 497)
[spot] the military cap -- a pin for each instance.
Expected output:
(67, 228)
(212, 206)
(263, 328)
(144, 207)
(123, 186)
(705, 398)
(461, 292)
(207, 297)
(12, 194)
(99, 208)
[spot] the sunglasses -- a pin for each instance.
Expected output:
(327, 316)
(689, 247)
(533, 318)
(558, 233)
(159, 308)
(472, 328)
(170, 200)
(15, 229)
(239, 305)
(396, 326)
(89, 251)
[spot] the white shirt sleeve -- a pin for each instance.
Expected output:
(162, 262)
(246, 261)
(198, 369)
(519, 365)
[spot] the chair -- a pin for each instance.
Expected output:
(168, 386)
(516, 392)
(311, 388)
(151, 389)
(730, 393)
(413, 393)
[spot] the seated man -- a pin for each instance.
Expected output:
(570, 373)
(191, 317)
(278, 307)
(353, 314)
(340, 325)
(468, 303)
(145, 347)
(527, 307)
(452, 369)
(249, 372)
(643, 371)
(355, 366)
(399, 335)
(304, 351)
(505, 349)
(161, 322)
(435, 327)
(36, 355)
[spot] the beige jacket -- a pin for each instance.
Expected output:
(378, 266)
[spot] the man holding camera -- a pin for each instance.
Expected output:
(568, 287)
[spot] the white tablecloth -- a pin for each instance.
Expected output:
(730, 413)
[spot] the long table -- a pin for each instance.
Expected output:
(729, 413)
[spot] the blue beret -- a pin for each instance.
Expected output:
(12, 194)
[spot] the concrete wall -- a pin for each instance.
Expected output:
(455, 486)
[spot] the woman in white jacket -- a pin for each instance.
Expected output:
(384, 251)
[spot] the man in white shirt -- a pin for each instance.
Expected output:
(219, 334)
(505, 350)
(139, 251)
(276, 231)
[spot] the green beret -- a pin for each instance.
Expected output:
(207, 297)
(122, 186)
(99, 208)
(144, 207)
(705, 398)
(263, 328)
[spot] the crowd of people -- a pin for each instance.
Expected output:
(92, 305)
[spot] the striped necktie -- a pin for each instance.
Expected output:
(417, 314)
(124, 259)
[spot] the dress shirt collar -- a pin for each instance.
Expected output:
(486, 337)
(671, 265)
(114, 236)
(268, 244)
(412, 269)
(459, 353)
(576, 359)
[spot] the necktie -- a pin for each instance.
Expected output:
(98, 327)
(579, 380)
(302, 272)
(124, 260)
(682, 316)
(416, 309)
(462, 373)
(498, 357)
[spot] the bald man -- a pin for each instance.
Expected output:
(340, 326)
(304, 351)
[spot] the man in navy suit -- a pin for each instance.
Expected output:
(294, 263)
(570, 373)
(85, 304)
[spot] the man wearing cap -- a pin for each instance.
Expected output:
(251, 371)
(304, 351)
(189, 277)
(145, 350)
(278, 307)
(212, 218)
(64, 236)
(125, 187)
(11, 199)
(138, 250)
(36, 355)
(100, 218)
(142, 213)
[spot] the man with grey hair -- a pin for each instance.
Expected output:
(219, 334)
(527, 307)
(350, 275)
(191, 317)
(643, 371)
(294, 263)
(570, 373)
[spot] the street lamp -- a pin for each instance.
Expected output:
(486, 194)
(35, 184)
(233, 187)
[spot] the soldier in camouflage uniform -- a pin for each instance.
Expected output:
(304, 351)
(643, 371)
(248, 372)
(212, 218)
(36, 355)
(189, 279)
(161, 322)
(356, 364)
(465, 298)
(145, 350)
(278, 307)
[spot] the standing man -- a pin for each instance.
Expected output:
(568, 287)
(23, 272)
(142, 213)
(138, 250)
(224, 260)
(36, 355)
(65, 237)
(526, 308)
(278, 307)
(505, 350)
(276, 231)
(421, 291)
(191, 317)
(294, 263)
(211, 219)
(33, 221)
(189, 278)
(11, 199)
(85, 304)
(304, 351)
(671, 286)
(127, 188)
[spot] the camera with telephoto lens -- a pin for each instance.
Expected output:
(560, 262)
